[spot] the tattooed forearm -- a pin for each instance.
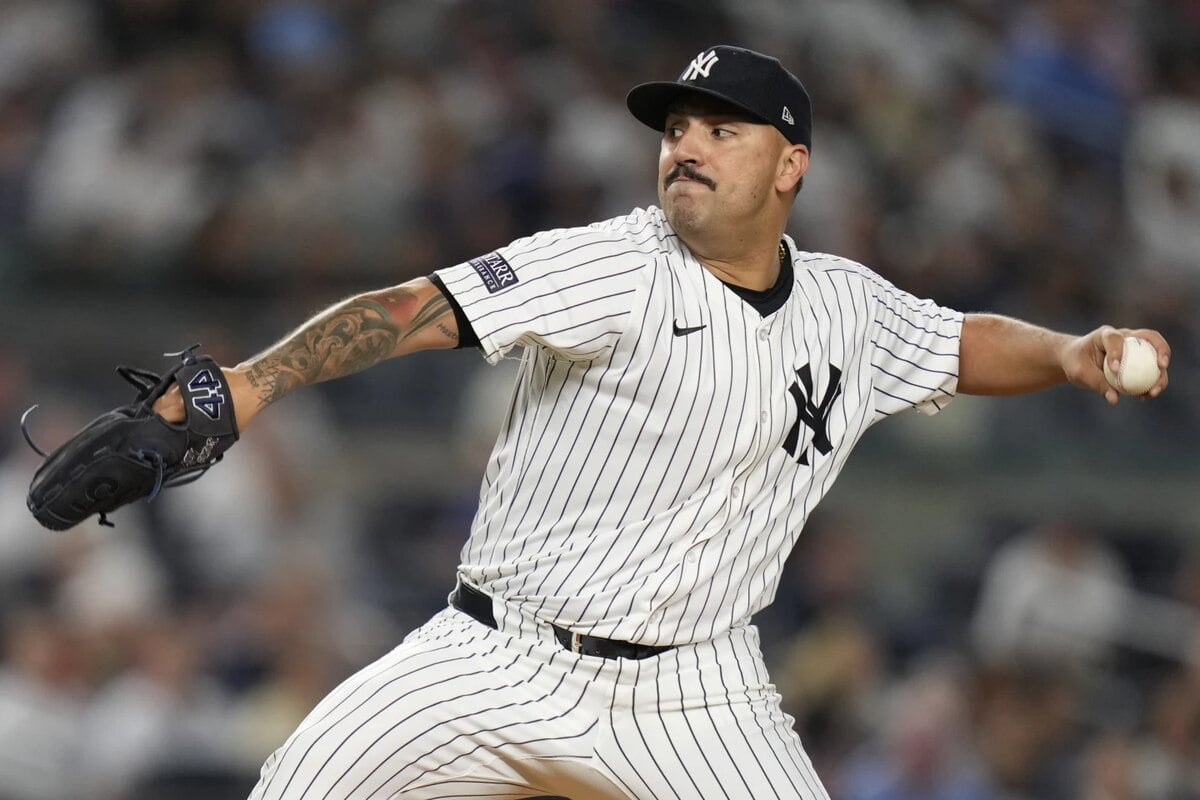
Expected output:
(429, 314)
(348, 338)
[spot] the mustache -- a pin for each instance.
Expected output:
(687, 171)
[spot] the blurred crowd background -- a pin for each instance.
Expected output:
(1000, 602)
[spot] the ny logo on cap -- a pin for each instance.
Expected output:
(700, 67)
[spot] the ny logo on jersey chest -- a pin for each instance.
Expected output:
(813, 414)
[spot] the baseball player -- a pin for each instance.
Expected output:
(691, 384)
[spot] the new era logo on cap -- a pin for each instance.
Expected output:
(756, 83)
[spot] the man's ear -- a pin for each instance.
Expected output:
(793, 163)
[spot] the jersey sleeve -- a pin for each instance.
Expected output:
(914, 359)
(569, 290)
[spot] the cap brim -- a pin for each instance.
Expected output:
(648, 102)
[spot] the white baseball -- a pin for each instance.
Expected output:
(1138, 370)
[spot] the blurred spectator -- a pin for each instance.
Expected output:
(225, 532)
(132, 162)
(18, 139)
(925, 749)
(26, 551)
(107, 579)
(831, 677)
(43, 43)
(42, 699)
(827, 575)
(284, 647)
(1167, 758)
(593, 143)
(1109, 771)
(1053, 595)
(1025, 731)
(1075, 65)
(1162, 169)
(159, 715)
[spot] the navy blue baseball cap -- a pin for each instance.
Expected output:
(753, 82)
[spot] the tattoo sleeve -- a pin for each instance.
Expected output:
(349, 337)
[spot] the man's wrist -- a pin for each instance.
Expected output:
(250, 392)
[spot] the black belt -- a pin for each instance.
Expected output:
(475, 603)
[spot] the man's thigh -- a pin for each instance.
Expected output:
(458, 709)
(704, 721)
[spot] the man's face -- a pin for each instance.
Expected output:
(716, 166)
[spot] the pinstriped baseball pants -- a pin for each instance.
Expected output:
(460, 710)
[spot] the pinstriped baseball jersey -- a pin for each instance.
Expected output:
(666, 441)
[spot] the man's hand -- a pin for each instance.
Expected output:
(245, 402)
(1000, 355)
(1083, 359)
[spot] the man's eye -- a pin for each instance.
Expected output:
(672, 132)
(721, 133)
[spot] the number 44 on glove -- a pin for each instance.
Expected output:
(131, 452)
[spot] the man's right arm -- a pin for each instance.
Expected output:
(349, 337)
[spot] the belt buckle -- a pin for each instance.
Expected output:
(576, 642)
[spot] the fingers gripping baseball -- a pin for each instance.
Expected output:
(1086, 359)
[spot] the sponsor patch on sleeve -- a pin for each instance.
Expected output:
(495, 272)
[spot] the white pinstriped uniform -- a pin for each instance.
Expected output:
(652, 475)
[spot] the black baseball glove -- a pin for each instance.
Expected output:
(132, 452)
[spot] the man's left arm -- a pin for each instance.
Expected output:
(1003, 356)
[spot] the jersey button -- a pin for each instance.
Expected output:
(735, 492)
(763, 334)
(691, 557)
(763, 418)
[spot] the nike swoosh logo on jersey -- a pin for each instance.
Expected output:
(685, 331)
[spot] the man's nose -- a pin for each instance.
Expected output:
(689, 147)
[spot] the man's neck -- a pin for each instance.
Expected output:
(753, 267)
